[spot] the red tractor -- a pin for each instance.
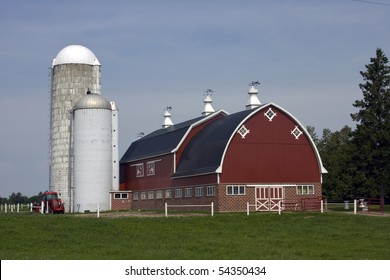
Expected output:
(51, 203)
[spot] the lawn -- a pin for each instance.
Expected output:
(267, 236)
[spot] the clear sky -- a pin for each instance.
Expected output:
(306, 54)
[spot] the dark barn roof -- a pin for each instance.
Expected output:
(159, 142)
(204, 152)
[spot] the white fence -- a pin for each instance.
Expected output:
(11, 208)
(184, 206)
(280, 207)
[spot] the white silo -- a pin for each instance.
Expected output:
(92, 150)
(74, 70)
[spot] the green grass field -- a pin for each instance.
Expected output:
(309, 236)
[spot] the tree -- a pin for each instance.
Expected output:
(336, 150)
(15, 198)
(371, 137)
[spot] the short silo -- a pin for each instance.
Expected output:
(92, 151)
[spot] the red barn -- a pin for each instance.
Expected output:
(262, 155)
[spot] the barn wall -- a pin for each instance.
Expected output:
(159, 203)
(121, 204)
(234, 203)
(270, 153)
(161, 179)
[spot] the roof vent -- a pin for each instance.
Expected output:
(208, 108)
(253, 101)
(167, 117)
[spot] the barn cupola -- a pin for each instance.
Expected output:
(167, 117)
(208, 108)
(253, 101)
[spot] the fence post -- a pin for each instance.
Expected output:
(5, 208)
(247, 208)
(322, 206)
(212, 208)
(166, 209)
(355, 206)
(42, 206)
(98, 211)
(31, 207)
(17, 208)
(280, 207)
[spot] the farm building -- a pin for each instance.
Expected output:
(261, 155)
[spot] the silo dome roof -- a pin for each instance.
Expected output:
(92, 101)
(75, 54)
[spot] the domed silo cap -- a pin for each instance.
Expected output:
(75, 54)
(92, 101)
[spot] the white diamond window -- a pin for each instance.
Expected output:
(243, 131)
(270, 114)
(296, 132)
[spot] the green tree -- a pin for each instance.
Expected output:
(371, 137)
(15, 198)
(336, 150)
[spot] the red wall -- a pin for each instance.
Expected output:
(270, 153)
(161, 179)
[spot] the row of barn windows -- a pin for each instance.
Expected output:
(176, 193)
(199, 191)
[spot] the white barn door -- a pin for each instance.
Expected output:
(268, 197)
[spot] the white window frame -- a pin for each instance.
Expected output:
(135, 196)
(188, 192)
(143, 195)
(150, 195)
(235, 190)
(305, 189)
(210, 191)
(199, 191)
(139, 170)
(178, 193)
(150, 168)
(121, 195)
(159, 194)
(168, 193)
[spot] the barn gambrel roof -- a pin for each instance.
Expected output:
(163, 141)
(205, 152)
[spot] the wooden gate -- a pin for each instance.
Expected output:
(267, 198)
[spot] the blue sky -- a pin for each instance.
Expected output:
(306, 54)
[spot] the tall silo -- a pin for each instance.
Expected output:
(74, 70)
(92, 153)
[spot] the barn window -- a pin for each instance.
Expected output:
(168, 193)
(235, 190)
(178, 193)
(151, 195)
(143, 195)
(243, 131)
(139, 169)
(296, 132)
(199, 191)
(305, 189)
(270, 114)
(188, 192)
(210, 191)
(150, 168)
(135, 196)
(159, 194)
(120, 195)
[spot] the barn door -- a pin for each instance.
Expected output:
(267, 198)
